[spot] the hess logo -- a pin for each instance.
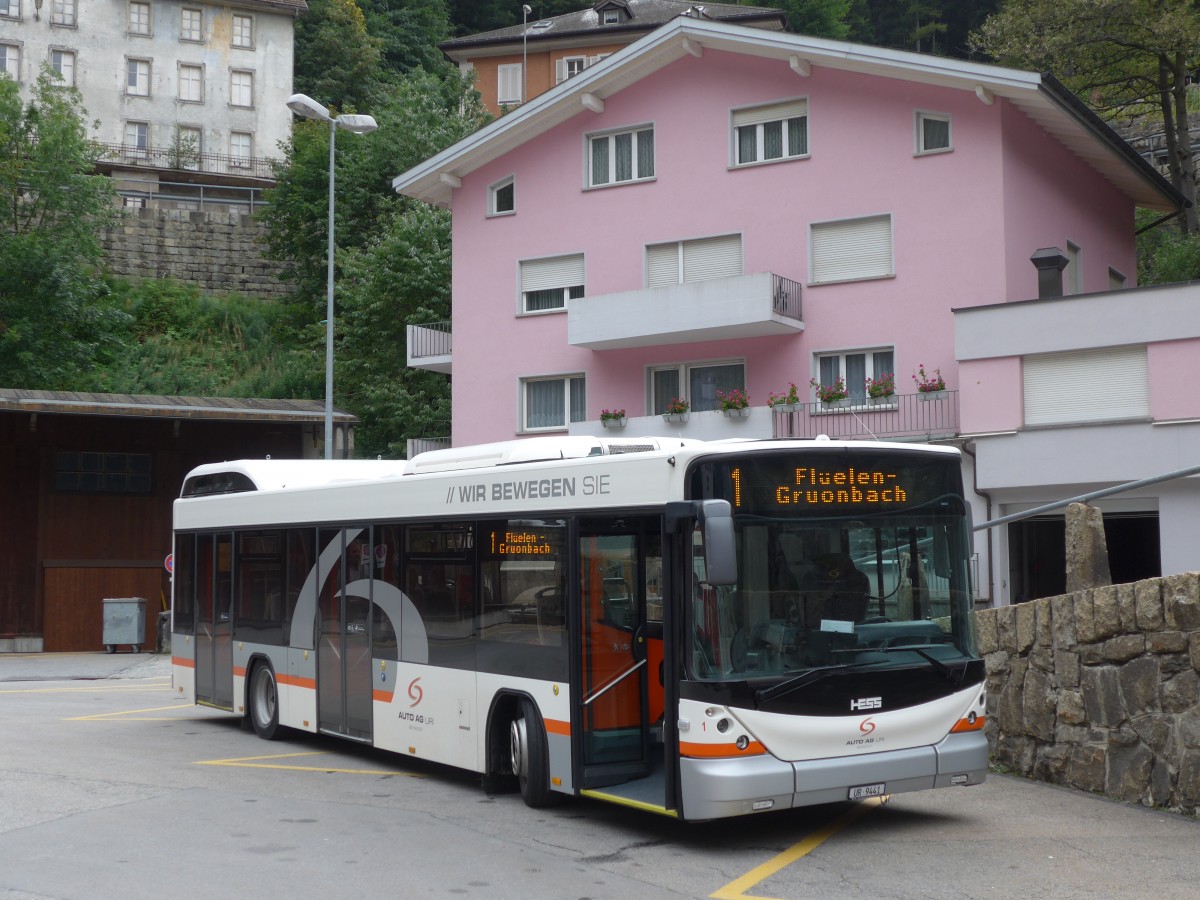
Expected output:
(415, 694)
(866, 703)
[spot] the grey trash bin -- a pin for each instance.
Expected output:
(124, 623)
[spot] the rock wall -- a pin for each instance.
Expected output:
(219, 251)
(1099, 689)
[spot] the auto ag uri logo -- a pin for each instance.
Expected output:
(415, 694)
(866, 726)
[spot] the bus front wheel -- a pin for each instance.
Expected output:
(527, 744)
(264, 702)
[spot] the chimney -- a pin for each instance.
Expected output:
(1050, 262)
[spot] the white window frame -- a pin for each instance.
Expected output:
(920, 117)
(241, 32)
(610, 17)
(196, 96)
(568, 67)
(683, 375)
(509, 83)
(11, 10)
(138, 73)
(139, 146)
(64, 13)
(239, 160)
(1086, 386)
(186, 31)
(139, 19)
(571, 411)
(697, 259)
(1117, 279)
(65, 70)
(495, 197)
(636, 135)
(856, 249)
(565, 274)
(12, 60)
(241, 89)
(762, 117)
(831, 365)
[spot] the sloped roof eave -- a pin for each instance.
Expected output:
(1043, 99)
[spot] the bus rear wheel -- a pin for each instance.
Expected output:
(530, 763)
(264, 702)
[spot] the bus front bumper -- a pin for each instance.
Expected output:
(716, 788)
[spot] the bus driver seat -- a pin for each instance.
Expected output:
(834, 589)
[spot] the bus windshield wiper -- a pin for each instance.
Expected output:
(951, 675)
(786, 687)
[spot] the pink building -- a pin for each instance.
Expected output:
(718, 208)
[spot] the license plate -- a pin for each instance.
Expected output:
(862, 792)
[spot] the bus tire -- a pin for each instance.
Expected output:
(263, 702)
(527, 744)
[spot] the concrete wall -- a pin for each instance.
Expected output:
(1099, 690)
(217, 251)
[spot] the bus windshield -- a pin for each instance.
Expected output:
(845, 558)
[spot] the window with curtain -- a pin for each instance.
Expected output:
(620, 156)
(856, 366)
(770, 133)
(551, 403)
(698, 383)
(547, 284)
(933, 133)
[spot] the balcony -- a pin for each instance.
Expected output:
(743, 306)
(129, 155)
(429, 347)
(908, 417)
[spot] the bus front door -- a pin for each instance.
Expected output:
(344, 636)
(214, 625)
(613, 653)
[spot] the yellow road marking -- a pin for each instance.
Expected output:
(129, 712)
(252, 762)
(736, 889)
(92, 688)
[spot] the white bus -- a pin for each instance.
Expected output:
(698, 629)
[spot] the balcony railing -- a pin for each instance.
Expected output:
(138, 193)
(186, 161)
(430, 346)
(926, 417)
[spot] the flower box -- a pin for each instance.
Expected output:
(932, 395)
(675, 417)
(786, 407)
(884, 400)
(740, 413)
(842, 403)
(618, 422)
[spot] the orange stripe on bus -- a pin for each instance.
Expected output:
(296, 681)
(181, 661)
(716, 751)
(382, 696)
(239, 671)
(554, 726)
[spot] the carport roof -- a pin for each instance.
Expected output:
(230, 409)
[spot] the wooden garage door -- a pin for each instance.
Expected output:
(75, 594)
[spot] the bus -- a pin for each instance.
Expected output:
(699, 629)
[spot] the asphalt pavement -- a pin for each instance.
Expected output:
(86, 666)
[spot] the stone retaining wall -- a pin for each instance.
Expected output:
(219, 251)
(1099, 690)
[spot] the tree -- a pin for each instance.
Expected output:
(336, 61)
(403, 278)
(1130, 59)
(408, 32)
(54, 318)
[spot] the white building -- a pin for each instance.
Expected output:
(184, 86)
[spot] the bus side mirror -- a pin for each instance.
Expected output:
(720, 554)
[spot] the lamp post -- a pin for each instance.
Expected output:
(308, 108)
(525, 11)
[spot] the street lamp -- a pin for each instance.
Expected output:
(308, 108)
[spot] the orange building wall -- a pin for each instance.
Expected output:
(540, 74)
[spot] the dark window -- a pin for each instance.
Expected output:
(183, 620)
(103, 473)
